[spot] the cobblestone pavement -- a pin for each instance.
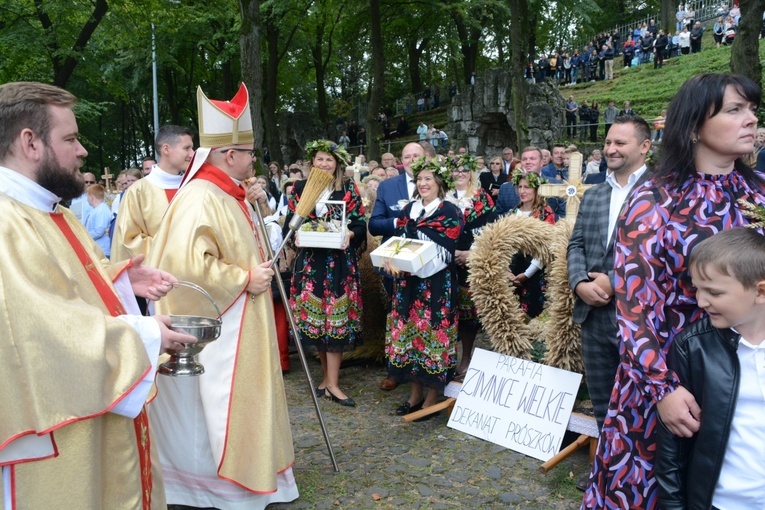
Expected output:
(386, 463)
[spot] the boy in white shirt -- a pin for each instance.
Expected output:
(99, 219)
(720, 359)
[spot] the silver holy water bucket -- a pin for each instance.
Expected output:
(204, 329)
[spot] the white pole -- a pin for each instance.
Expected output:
(154, 82)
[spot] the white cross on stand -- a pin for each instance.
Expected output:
(572, 189)
(107, 178)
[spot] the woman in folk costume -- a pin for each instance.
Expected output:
(478, 209)
(422, 326)
(527, 273)
(224, 437)
(325, 295)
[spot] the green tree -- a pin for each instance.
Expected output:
(377, 85)
(744, 54)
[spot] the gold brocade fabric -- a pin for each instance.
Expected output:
(64, 359)
(141, 211)
(206, 238)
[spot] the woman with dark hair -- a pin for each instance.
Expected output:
(527, 273)
(422, 325)
(477, 209)
(276, 179)
(692, 195)
(325, 297)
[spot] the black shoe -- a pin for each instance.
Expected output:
(407, 408)
(319, 392)
(581, 484)
(347, 402)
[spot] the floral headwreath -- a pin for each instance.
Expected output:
(464, 160)
(534, 179)
(436, 166)
(330, 147)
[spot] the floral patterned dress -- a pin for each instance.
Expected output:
(532, 293)
(325, 294)
(655, 300)
(421, 332)
(477, 211)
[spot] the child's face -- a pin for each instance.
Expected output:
(725, 299)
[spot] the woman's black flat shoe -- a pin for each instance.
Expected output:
(407, 408)
(319, 392)
(347, 402)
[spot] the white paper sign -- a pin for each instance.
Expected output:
(515, 403)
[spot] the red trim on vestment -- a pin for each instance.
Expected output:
(143, 439)
(127, 264)
(257, 492)
(105, 291)
(13, 487)
(170, 193)
(114, 305)
(79, 418)
(231, 390)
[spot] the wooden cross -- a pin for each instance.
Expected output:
(572, 189)
(107, 178)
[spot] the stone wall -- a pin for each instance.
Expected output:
(482, 119)
(296, 129)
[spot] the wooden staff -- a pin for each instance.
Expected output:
(290, 317)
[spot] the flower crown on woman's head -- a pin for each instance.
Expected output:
(436, 166)
(534, 179)
(464, 160)
(330, 147)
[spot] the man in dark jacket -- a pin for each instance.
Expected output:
(658, 48)
(646, 47)
(696, 34)
(584, 120)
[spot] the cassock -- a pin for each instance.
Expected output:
(75, 371)
(140, 213)
(224, 437)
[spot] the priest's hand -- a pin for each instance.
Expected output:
(148, 282)
(260, 278)
(256, 195)
(172, 340)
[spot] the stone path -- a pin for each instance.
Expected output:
(386, 463)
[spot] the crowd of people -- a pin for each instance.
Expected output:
(644, 44)
(668, 292)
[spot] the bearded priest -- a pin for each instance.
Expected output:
(76, 365)
(224, 437)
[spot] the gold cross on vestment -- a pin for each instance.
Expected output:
(572, 189)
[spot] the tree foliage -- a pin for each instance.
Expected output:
(331, 59)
